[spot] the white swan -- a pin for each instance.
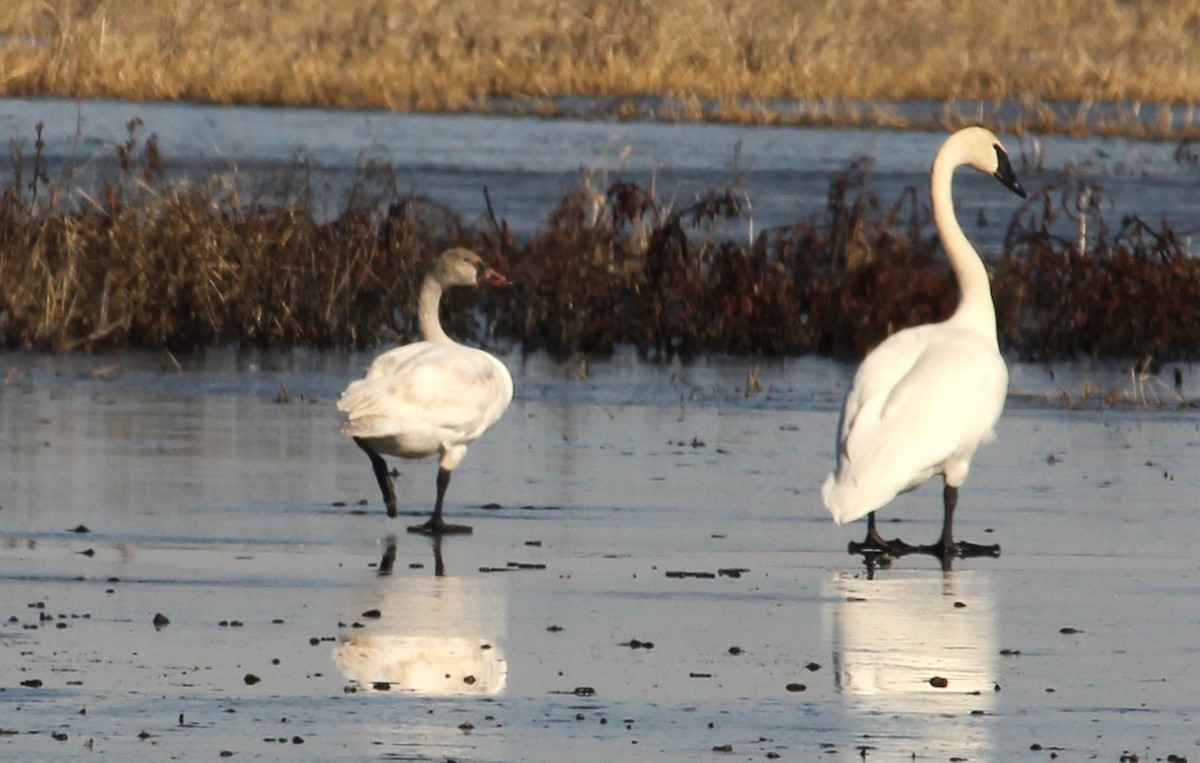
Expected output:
(432, 396)
(925, 399)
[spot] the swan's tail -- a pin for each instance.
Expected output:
(365, 404)
(847, 501)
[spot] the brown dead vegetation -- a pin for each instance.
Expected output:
(145, 261)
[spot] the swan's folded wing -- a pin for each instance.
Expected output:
(394, 360)
(936, 412)
(457, 389)
(958, 386)
(946, 404)
(877, 377)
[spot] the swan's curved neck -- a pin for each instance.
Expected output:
(975, 309)
(427, 312)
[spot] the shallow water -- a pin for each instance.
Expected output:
(558, 631)
(528, 164)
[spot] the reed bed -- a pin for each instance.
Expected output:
(145, 261)
(1119, 292)
(706, 59)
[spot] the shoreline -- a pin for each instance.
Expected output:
(1134, 120)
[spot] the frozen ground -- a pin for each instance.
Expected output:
(559, 630)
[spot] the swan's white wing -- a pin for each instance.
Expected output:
(393, 360)
(878, 375)
(921, 406)
(450, 392)
(947, 403)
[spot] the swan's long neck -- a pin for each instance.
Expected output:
(976, 309)
(427, 311)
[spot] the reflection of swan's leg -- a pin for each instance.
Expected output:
(435, 525)
(388, 561)
(946, 546)
(381, 475)
(439, 567)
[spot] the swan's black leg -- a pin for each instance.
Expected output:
(946, 546)
(945, 543)
(875, 543)
(435, 525)
(381, 475)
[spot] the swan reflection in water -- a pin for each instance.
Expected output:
(437, 636)
(896, 640)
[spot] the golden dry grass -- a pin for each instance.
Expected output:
(455, 54)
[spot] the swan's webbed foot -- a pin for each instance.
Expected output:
(959, 549)
(894, 547)
(876, 558)
(876, 544)
(946, 548)
(879, 551)
(437, 527)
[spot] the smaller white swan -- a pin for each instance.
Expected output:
(432, 396)
(925, 399)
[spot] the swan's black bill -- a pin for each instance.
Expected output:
(1004, 173)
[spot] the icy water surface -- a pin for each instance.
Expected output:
(651, 575)
(781, 173)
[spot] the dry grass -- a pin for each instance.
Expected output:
(148, 262)
(143, 261)
(713, 59)
(1115, 293)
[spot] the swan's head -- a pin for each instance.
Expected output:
(462, 267)
(981, 149)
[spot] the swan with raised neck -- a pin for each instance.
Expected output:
(431, 396)
(979, 148)
(927, 397)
